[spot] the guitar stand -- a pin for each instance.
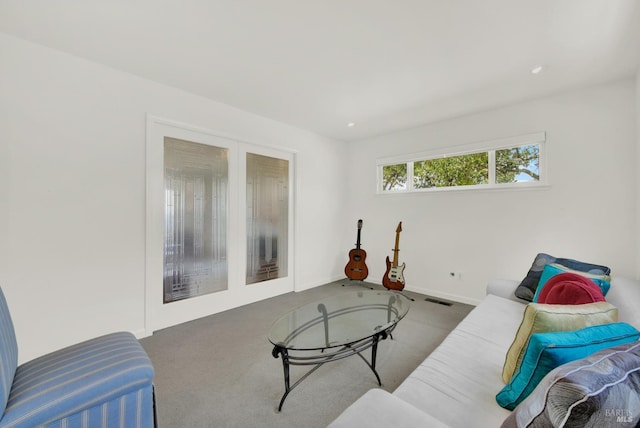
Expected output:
(400, 293)
(361, 283)
(405, 296)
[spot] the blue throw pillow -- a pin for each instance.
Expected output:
(527, 287)
(601, 280)
(546, 351)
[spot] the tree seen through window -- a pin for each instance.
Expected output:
(511, 165)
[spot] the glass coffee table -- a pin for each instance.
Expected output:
(334, 328)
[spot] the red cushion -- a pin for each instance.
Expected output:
(570, 289)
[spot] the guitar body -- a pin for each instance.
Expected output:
(393, 278)
(356, 268)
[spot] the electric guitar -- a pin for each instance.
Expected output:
(356, 268)
(393, 278)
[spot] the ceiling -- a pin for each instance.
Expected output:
(320, 64)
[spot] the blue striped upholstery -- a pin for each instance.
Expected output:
(8, 352)
(104, 382)
(130, 410)
(109, 377)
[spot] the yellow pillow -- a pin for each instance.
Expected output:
(542, 318)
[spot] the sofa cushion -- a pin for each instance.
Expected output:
(542, 318)
(546, 351)
(600, 390)
(458, 381)
(8, 353)
(378, 408)
(553, 269)
(527, 288)
(569, 289)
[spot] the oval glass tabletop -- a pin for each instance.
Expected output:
(339, 320)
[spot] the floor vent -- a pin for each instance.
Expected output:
(439, 302)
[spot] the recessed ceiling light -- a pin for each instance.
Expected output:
(351, 124)
(536, 70)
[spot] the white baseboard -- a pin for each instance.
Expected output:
(438, 294)
(317, 283)
(447, 296)
(141, 333)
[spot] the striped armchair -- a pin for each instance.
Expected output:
(103, 382)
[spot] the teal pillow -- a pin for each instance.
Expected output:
(546, 351)
(553, 269)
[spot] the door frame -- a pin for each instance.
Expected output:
(159, 315)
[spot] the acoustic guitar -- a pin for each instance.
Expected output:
(393, 278)
(356, 268)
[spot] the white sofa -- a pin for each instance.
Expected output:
(456, 385)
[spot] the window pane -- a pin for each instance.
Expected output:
(464, 170)
(518, 164)
(195, 219)
(267, 218)
(394, 177)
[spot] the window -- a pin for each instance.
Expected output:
(462, 170)
(518, 164)
(395, 177)
(511, 162)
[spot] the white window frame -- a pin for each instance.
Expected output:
(538, 138)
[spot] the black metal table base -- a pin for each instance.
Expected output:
(320, 359)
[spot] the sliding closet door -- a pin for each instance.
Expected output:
(196, 188)
(269, 217)
(219, 223)
(191, 251)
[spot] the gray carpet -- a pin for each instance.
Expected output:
(218, 371)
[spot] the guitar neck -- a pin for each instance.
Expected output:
(358, 241)
(396, 250)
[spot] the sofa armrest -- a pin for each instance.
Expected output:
(624, 294)
(379, 409)
(504, 288)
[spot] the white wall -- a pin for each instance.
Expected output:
(588, 213)
(73, 155)
(638, 172)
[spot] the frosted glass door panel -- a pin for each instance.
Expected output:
(267, 218)
(196, 178)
